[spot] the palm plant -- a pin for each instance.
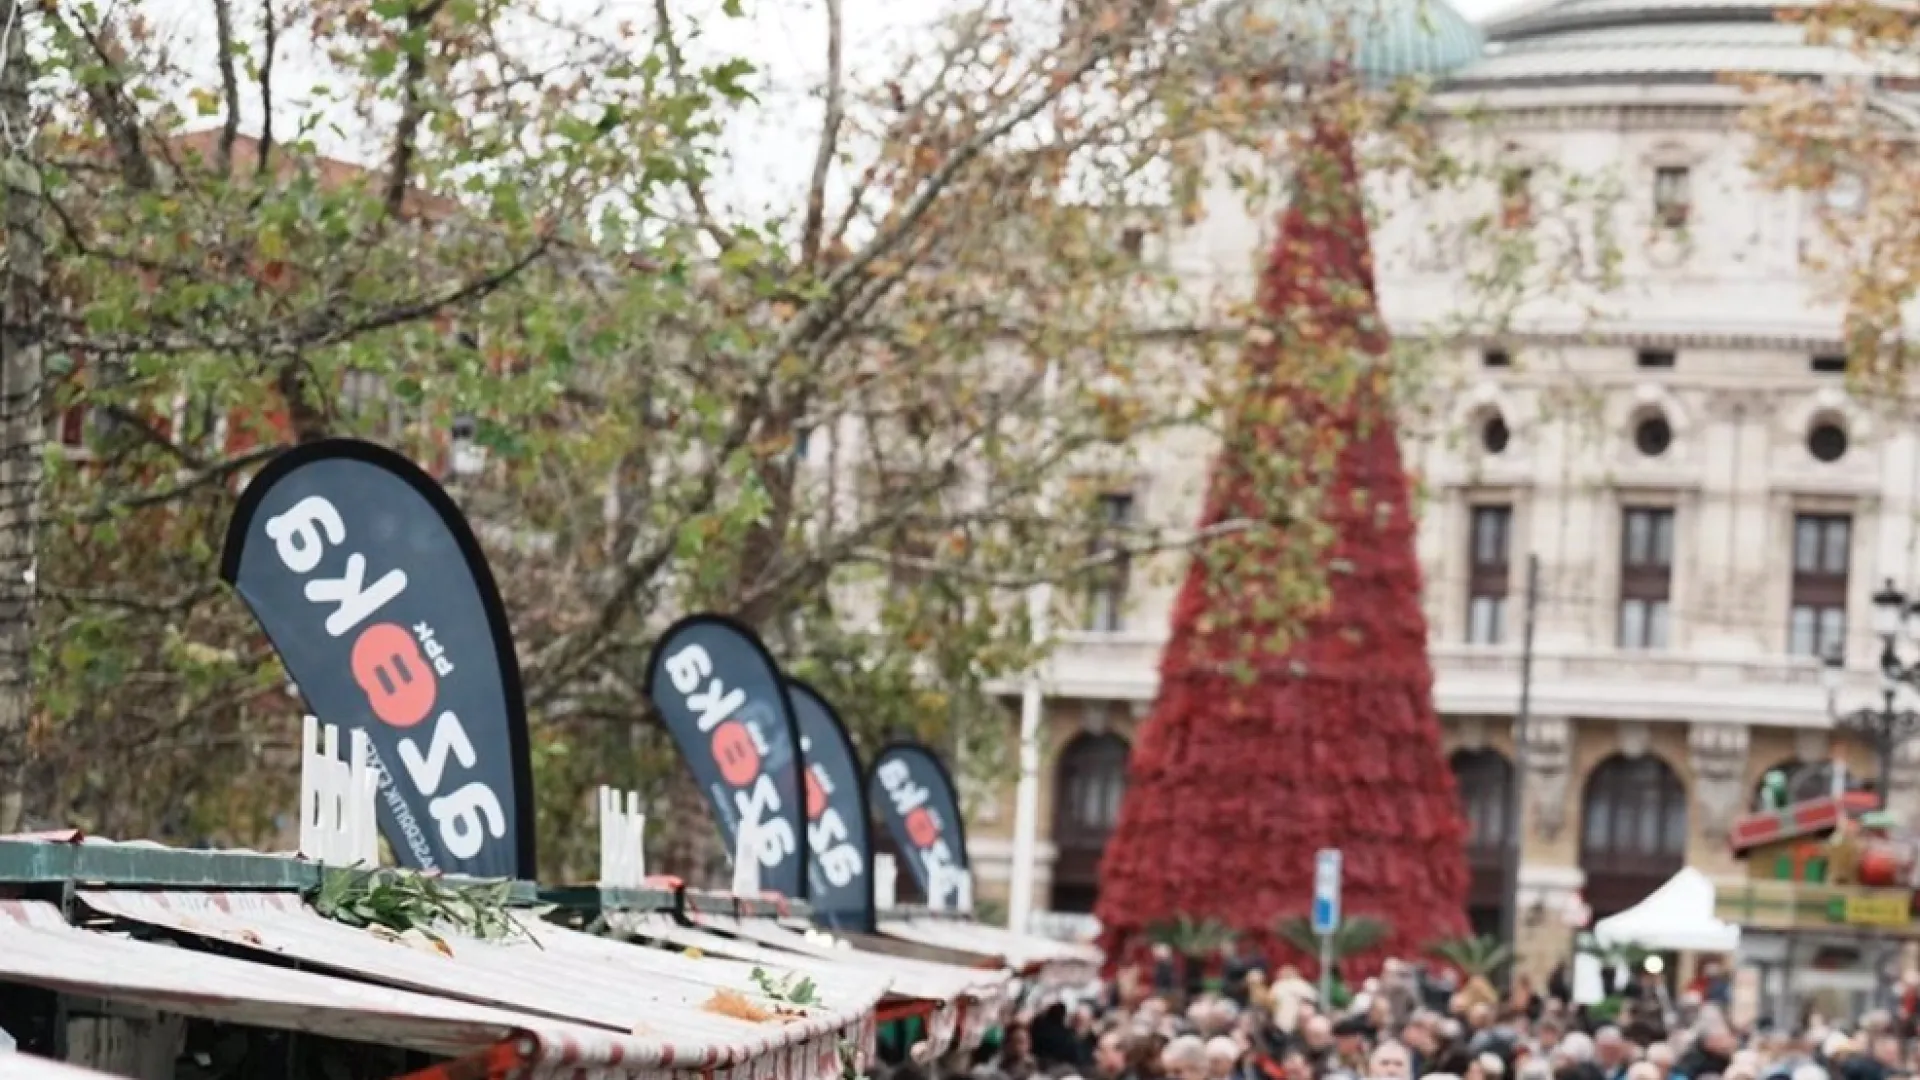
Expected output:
(1191, 937)
(1480, 956)
(1351, 938)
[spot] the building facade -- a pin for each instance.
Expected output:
(1710, 508)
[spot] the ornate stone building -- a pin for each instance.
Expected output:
(1710, 508)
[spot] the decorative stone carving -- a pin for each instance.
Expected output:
(1634, 737)
(1549, 763)
(1719, 753)
(1093, 718)
(1472, 731)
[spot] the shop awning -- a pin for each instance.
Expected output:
(984, 990)
(39, 948)
(23, 1067)
(559, 974)
(1053, 961)
(923, 977)
(970, 998)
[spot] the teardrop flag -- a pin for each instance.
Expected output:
(371, 587)
(838, 831)
(726, 704)
(921, 807)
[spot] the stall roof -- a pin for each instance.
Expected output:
(1019, 951)
(558, 973)
(39, 948)
(959, 1013)
(765, 941)
(980, 992)
(23, 1067)
(925, 978)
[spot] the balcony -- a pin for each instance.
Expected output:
(1772, 691)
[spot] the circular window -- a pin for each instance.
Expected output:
(1827, 442)
(1494, 435)
(1652, 436)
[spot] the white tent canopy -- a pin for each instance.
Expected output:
(1678, 916)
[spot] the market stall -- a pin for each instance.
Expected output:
(1827, 902)
(541, 1000)
(549, 973)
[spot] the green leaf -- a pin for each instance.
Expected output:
(728, 79)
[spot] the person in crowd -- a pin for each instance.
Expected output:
(1295, 1065)
(1390, 1061)
(1017, 1061)
(1612, 1053)
(1224, 1058)
(1350, 1035)
(1485, 1067)
(1185, 1058)
(1110, 1055)
(1293, 996)
(1243, 959)
(1316, 1037)
(1421, 1040)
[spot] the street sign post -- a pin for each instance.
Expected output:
(1326, 915)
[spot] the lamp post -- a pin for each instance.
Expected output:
(1885, 727)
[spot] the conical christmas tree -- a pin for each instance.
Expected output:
(1264, 746)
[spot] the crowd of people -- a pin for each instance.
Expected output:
(1412, 1023)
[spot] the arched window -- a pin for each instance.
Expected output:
(1633, 830)
(1485, 780)
(1089, 783)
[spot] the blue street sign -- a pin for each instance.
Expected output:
(1326, 891)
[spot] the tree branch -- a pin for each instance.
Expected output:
(229, 86)
(824, 154)
(677, 70)
(413, 110)
(1112, 556)
(270, 33)
(214, 474)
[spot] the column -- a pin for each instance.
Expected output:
(1718, 754)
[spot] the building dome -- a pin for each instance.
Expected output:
(1641, 43)
(1384, 40)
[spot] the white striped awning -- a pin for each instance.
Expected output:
(24, 1067)
(969, 999)
(1055, 962)
(658, 1005)
(39, 948)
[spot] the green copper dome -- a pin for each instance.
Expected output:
(1384, 40)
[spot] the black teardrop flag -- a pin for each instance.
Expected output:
(839, 837)
(375, 594)
(726, 703)
(921, 807)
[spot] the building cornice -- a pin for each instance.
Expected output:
(1761, 691)
(1809, 342)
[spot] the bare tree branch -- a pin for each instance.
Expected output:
(412, 110)
(229, 86)
(677, 70)
(270, 43)
(824, 153)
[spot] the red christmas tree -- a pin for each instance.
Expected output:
(1264, 748)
